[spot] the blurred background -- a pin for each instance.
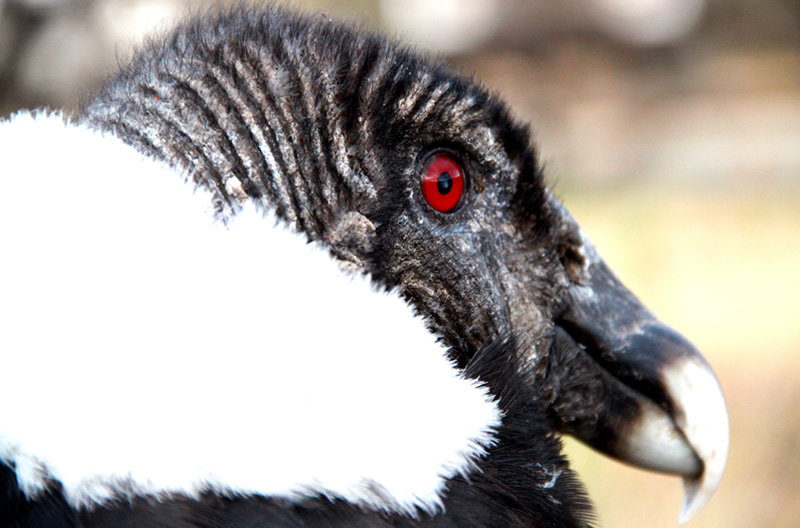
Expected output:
(670, 128)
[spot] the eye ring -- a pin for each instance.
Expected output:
(443, 181)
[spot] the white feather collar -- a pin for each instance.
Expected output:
(148, 350)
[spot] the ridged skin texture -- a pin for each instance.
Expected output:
(330, 126)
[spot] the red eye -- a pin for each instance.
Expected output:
(443, 182)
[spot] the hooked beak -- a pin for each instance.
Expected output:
(658, 404)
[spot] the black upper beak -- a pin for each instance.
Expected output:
(658, 404)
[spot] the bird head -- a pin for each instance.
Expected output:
(420, 178)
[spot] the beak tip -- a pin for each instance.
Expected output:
(699, 490)
(690, 507)
(706, 428)
(695, 497)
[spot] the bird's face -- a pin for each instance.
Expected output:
(462, 224)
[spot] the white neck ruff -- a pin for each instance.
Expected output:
(149, 350)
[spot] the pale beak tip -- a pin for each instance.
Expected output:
(707, 430)
(697, 491)
(693, 500)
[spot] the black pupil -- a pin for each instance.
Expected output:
(445, 183)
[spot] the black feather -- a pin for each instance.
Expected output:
(48, 510)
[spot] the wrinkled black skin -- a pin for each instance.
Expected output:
(200, 98)
(488, 278)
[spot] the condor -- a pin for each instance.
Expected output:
(280, 272)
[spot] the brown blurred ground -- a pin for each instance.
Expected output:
(679, 155)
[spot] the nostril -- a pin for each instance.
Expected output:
(574, 263)
(572, 256)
